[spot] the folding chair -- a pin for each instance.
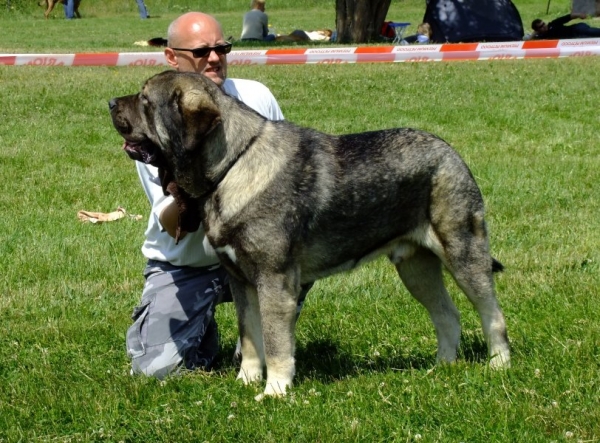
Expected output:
(399, 28)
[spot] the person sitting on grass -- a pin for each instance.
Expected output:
(422, 36)
(557, 29)
(255, 26)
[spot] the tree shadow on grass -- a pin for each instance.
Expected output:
(257, 45)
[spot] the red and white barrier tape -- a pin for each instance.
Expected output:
(364, 54)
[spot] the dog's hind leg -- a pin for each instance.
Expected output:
(471, 266)
(461, 242)
(421, 273)
(251, 337)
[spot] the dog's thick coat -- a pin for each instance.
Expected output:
(285, 205)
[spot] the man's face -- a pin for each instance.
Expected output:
(199, 35)
(542, 27)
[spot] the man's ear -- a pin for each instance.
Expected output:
(171, 58)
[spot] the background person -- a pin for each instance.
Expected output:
(557, 29)
(255, 26)
(174, 324)
(422, 36)
(143, 10)
(69, 8)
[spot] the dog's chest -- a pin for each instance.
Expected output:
(222, 236)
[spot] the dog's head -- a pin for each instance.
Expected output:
(168, 118)
(165, 125)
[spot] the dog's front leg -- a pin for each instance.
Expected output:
(251, 337)
(278, 296)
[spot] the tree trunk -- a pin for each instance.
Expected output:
(360, 21)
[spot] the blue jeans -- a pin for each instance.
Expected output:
(69, 6)
(584, 30)
(142, 8)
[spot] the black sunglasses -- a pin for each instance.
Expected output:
(223, 49)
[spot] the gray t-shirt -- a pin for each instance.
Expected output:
(255, 25)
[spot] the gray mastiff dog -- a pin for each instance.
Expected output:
(285, 205)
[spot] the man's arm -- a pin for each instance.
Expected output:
(164, 209)
(560, 21)
(265, 25)
(169, 219)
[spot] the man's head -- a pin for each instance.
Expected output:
(539, 26)
(196, 30)
(258, 4)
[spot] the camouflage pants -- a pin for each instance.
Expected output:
(174, 324)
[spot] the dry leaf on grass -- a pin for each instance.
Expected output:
(100, 217)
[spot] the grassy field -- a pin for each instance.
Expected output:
(366, 351)
(114, 25)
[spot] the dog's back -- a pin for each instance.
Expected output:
(354, 197)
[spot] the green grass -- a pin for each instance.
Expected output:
(366, 350)
(114, 25)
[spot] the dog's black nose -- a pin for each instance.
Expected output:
(112, 103)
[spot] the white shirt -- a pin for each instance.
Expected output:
(422, 38)
(194, 249)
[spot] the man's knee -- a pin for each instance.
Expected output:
(169, 358)
(158, 361)
(197, 351)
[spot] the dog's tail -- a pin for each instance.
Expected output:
(497, 266)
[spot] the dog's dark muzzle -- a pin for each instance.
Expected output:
(125, 120)
(120, 121)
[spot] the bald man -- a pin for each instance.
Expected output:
(174, 325)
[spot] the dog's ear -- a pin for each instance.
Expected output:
(200, 112)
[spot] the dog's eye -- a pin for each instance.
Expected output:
(144, 99)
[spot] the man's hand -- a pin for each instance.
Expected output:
(169, 219)
(580, 15)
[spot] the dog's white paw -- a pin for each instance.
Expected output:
(500, 361)
(273, 390)
(250, 372)
(260, 397)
